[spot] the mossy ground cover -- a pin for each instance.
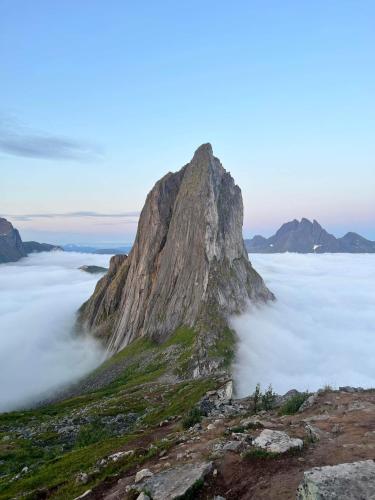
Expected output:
(224, 348)
(30, 439)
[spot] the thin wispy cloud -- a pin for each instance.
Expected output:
(18, 140)
(80, 214)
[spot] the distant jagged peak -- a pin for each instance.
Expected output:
(5, 226)
(11, 247)
(305, 221)
(305, 236)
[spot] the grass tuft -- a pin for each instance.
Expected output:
(193, 417)
(259, 454)
(294, 404)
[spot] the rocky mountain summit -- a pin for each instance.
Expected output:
(188, 266)
(12, 248)
(308, 237)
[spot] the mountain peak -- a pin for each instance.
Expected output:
(11, 248)
(5, 226)
(188, 266)
(204, 150)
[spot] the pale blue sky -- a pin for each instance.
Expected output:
(100, 99)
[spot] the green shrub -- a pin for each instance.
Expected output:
(294, 404)
(90, 434)
(264, 401)
(254, 426)
(238, 429)
(191, 493)
(193, 417)
(268, 399)
(259, 454)
(257, 398)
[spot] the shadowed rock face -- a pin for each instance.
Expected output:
(103, 306)
(188, 265)
(11, 248)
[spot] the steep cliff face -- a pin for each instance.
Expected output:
(11, 248)
(101, 310)
(188, 266)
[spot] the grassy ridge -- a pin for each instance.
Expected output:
(34, 438)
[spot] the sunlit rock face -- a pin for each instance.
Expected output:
(188, 265)
(11, 248)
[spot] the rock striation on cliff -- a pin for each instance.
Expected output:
(188, 266)
(11, 247)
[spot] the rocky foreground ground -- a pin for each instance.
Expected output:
(235, 454)
(220, 448)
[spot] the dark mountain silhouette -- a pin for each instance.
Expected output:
(308, 237)
(35, 247)
(12, 248)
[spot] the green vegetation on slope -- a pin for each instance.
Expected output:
(224, 348)
(58, 441)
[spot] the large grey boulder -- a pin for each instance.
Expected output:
(175, 483)
(277, 441)
(188, 266)
(352, 481)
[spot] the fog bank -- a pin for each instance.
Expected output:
(321, 329)
(39, 297)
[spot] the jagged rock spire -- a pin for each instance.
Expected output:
(188, 265)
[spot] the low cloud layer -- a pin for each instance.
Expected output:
(39, 296)
(320, 331)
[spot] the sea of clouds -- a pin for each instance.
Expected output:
(321, 329)
(39, 296)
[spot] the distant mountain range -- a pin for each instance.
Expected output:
(295, 236)
(12, 248)
(308, 237)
